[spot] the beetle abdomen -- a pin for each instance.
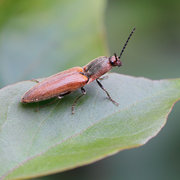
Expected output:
(60, 83)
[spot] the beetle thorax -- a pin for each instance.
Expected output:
(97, 68)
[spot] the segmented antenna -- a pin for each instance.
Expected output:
(127, 42)
(115, 56)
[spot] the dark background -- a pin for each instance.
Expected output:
(153, 52)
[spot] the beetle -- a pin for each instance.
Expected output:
(67, 81)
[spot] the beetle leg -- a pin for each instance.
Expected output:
(47, 104)
(60, 96)
(75, 101)
(104, 77)
(55, 100)
(34, 80)
(109, 97)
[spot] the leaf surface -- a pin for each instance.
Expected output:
(38, 139)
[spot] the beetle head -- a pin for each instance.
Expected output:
(115, 60)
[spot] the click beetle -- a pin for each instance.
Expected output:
(67, 81)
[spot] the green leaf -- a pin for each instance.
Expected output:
(40, 38)
(37, 141)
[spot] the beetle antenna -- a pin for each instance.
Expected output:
(127, 42)
(115, 56)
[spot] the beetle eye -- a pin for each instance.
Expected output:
(112, 60)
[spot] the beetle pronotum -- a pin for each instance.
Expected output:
(67, 81)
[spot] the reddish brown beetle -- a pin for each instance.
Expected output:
(65, 82)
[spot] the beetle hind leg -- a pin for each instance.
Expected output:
(75, 101)
(34, 80)
(60, 96)
(109, 97)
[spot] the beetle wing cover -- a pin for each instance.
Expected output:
(58, 84)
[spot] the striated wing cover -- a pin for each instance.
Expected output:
(60, 83)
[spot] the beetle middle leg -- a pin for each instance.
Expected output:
(75, 101)
(109, 97)
(103, 78)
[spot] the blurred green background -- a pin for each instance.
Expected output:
(153, 52)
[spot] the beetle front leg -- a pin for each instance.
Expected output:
(75, 101)
(109, 97)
